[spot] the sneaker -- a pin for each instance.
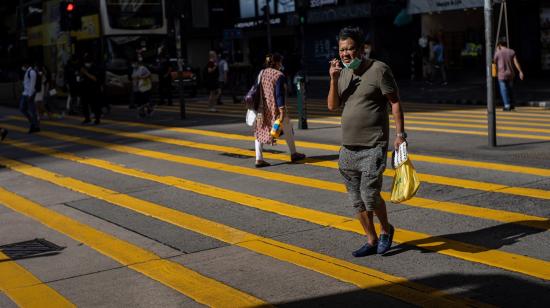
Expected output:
(366, 250)
(97, 121)
(262, 163)
(212, 110)
(3, 134)
(506, 109)
(86, 121)
(296, 157)
(385, 241)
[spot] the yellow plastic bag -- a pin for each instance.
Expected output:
(405, 181)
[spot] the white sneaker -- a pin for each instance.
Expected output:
(212, 110)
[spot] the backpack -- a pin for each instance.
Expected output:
(253, 97)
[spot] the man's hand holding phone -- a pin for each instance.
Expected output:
(335, 69)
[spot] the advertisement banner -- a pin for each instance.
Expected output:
(427, 6)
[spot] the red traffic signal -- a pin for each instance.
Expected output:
(70, 7)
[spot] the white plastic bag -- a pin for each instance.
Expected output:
(251, 117)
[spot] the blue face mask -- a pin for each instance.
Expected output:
(354, 64)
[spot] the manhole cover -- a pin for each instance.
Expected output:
(32, 248)
(236, 155)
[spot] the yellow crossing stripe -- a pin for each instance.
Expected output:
(342, 270)
(200, 288)
(408, 127)
(452, 248)
(322, 111)
(336, 148)
(24, 289)
(428, 178)
(444, 206)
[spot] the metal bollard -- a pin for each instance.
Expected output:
(300, 97)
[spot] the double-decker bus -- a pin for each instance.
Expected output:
(113, 32)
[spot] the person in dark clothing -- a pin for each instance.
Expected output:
(90, 91)
(3, 133)
(165, 80)
(211, 80)
(72, 81)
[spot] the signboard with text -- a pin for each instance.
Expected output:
(426, 6)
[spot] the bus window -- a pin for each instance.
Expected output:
(135, 14)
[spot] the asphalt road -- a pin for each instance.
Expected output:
(162, 212)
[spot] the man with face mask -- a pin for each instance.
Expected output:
(26, 102)
(364, 87)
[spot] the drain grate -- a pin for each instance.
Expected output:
(236, 155)
(32, 248)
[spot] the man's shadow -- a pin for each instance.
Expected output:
(482, 240)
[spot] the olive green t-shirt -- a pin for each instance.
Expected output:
(365, 119)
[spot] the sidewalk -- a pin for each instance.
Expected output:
(534, 93)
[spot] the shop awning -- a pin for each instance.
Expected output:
(428, 6)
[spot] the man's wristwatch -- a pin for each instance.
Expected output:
(402, 135)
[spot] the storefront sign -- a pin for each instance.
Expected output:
(427, 6)
(339, 13)
(317, 3)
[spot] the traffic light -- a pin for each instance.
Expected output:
(69, 17)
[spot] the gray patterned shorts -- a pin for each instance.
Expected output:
(363, 169)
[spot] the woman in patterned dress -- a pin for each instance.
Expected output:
(273, 107)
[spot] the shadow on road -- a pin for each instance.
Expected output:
(485, 239)
(494, 289)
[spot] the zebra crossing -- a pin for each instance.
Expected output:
(475, 229)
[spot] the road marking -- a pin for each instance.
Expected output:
(336, 148)
(409, 110)
(25, 289)
(198, 287)
(443, 206)
(408, 127)
(453, 248)
(342, 270)
(434, 179)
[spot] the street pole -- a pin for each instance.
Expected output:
(268, 22)
(180, 66)
(491, 113)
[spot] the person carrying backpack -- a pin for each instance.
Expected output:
(26, 101)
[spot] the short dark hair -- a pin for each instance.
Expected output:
(271, 59)
(503, 42)
(354, 33)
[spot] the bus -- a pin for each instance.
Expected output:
(113, 32)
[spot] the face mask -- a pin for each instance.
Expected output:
(282, 68)
(354, 64)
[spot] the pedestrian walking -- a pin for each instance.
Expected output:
(165, 80)
(223, 70)
(273, 108)
(438, 61)
(90, 83)
(72, 81)
(3, 133)
(505, 59)
(27, 105)
(42, 96)
(212, 80)
(144, 85)
(363, 88)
